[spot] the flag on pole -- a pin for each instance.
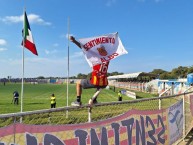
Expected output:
(28, 41)
(102, 48)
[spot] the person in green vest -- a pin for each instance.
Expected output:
(53, 101)
(119, 96)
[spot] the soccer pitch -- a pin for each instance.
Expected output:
(37, 96)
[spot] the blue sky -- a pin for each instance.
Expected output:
(158, 34)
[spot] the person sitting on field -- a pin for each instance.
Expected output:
(98, 78)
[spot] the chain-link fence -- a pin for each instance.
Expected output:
(84, 115)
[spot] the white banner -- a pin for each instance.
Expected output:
(102, 48)
(175, 117)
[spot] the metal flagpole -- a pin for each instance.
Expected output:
(68, 68)
(22, 80)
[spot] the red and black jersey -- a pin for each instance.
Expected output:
(99, 74)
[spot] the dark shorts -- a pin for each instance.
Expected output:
(86, 84)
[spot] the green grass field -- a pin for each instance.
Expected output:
(37, 97)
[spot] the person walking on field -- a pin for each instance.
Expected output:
(16, 97)
(53, 101)
(98, 78)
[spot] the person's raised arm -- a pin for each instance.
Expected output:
(72, 39)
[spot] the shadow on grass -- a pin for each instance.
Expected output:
(138, 97)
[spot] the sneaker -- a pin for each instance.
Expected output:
(75, 103)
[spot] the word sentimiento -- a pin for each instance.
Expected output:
(97, 41)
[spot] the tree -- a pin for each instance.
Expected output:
(72, 77)
(81, 76)
(158, 71)
(190, 69)
(180, 72)
(114, 73)
(166, 75)
(41, 77)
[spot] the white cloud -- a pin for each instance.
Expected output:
(66, 36)
(32, 18)
(3, 49)
(3, 42)
(47, 51)
(51, 51)
(77, 55)
(12, 19)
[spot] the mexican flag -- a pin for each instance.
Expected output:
(28, 41)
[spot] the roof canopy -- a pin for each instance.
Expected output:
(131, 75)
